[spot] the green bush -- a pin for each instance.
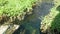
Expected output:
(56, 21)
(14, 7)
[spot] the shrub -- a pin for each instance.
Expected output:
(14, 7)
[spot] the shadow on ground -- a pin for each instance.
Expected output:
(31, 23)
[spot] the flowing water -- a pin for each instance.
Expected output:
(31, 24)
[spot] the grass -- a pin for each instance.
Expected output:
(52, 20)
(55, 25)
(14, 10)
(14, 7)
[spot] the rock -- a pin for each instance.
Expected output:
(3, 29)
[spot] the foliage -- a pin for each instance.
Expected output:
(14, 7)
(52, 20)
(56, 21)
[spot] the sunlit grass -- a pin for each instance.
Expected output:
(14, 7)
(48, 19)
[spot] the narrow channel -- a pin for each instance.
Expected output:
(31, 24)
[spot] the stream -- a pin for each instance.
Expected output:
(31, 24)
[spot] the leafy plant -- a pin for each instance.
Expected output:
(14, 7)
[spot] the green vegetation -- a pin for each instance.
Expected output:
(56, 21)
(14, 7)
(52, 20)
